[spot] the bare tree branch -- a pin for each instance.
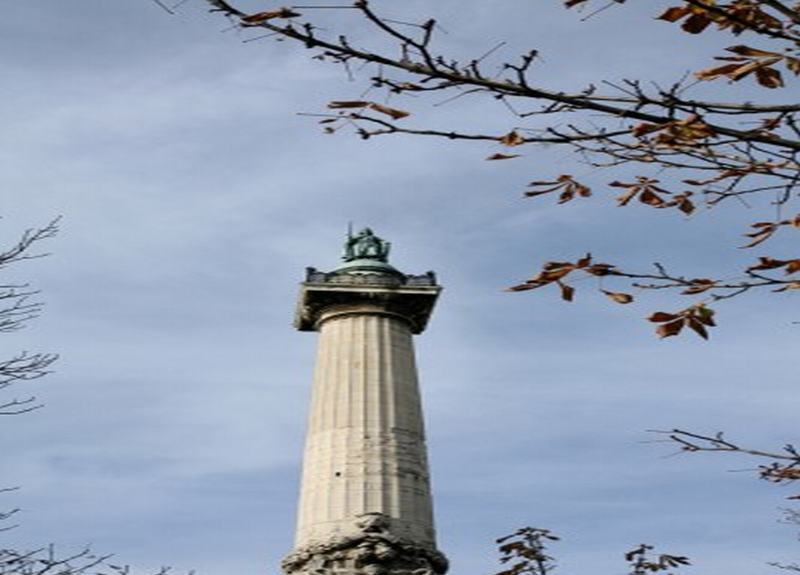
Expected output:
(700, 150)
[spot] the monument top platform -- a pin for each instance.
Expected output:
(366, 280)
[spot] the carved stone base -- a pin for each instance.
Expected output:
(370, 550)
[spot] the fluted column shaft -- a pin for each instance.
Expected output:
(365, 448)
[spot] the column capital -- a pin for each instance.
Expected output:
(325, 294)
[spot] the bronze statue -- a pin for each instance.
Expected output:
(365, 245)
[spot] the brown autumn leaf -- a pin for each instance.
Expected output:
(643, 187)
(601, 270)
(393, 112)
(338, 104)
(790, 285)
(671, 328)
(751, 66)
(512, 139)
(675, 560)
(682, 202)
(523, 287)
(650, 198)
(261, 17)
(503, 156)
(692, 127)
(699, 285)
(685, 204)
(619, 297)
(645, 128)
(769, 77)
(627, 196)
(703, 314)
(556, 184)
(555, 273)
(566, 196)
(675, 13)
(686, 131)
(743, 50)
(763, 231)
(768, 263)
(381, 108)
(697, 326)
(569, 188)
(749, 61)
(696, 23)
(661, 316)
(747, 12)
(735, 16)
(557, 265)
(755, 168)
(778, 472)
(697, 18)
(716, 71)
(567, 291)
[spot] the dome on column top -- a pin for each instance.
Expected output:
(366, 266)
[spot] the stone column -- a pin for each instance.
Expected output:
(365, 449)
(365, 498)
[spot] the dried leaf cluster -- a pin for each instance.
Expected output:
(526, 552)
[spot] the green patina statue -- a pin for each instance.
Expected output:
(365, 245)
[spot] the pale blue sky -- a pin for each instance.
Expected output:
(193, 198)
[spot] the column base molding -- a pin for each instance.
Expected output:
(370, 550)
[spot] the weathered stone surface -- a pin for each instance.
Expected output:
(369, 549)
(365, 448)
